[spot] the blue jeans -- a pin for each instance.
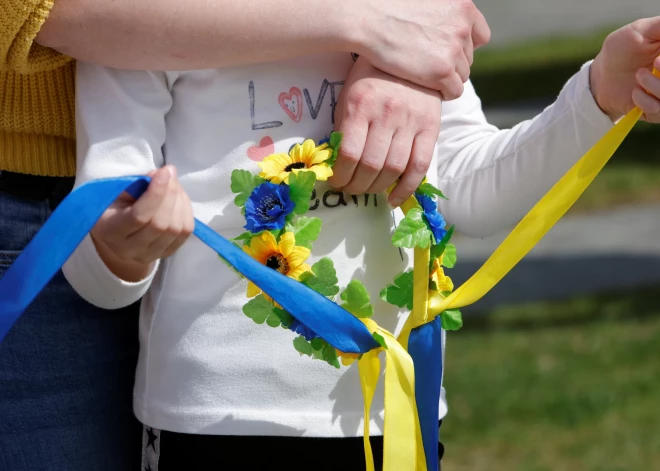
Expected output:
(66, 371)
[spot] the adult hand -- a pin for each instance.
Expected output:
(132, 234)
(427, 42)
(390, 129)
(621, 75)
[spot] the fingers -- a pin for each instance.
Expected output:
(480, 31)
(355, 129)
(146, 207)
(152, 227)
(373, 159)
(418, 165)
(396, 162)
(463, 69)
(648, 27)
(452, 86)
(153, 239)
(184, 208)
(468, 51)
(647, 95)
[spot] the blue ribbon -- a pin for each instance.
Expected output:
(425, 349)
(79, 211)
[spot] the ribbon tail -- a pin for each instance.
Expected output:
(369, 367)
(400, 448)
(425, 348)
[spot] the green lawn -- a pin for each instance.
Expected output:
(557, 386)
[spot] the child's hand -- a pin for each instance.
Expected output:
(621, 75)
(132, 234)
(390, 130)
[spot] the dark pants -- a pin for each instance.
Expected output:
(66, 367)
(168, 451)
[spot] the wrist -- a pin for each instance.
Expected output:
(351, 29)
(126, 270)
(595, 84)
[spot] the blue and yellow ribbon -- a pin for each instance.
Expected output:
(410, 407)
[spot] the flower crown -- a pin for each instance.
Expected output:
(280, 236)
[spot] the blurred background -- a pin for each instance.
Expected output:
(559, 367)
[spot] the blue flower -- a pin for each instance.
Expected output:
(267, 207)
(300, 328)
(433, 218)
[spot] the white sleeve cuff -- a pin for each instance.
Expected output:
(94, 282)
(585, 103)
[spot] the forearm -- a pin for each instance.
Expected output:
(494, 177)
(196, 34)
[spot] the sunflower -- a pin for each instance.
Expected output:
(307, 156)
(285, 257)
(442, 282)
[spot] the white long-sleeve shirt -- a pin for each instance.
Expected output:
(206, 368)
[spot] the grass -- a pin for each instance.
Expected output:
(571, 385)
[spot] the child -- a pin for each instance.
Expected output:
(213, 388)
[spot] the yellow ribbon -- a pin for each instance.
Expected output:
(403, 447)
(540, 219)
(402, 434)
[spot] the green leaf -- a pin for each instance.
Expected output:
(243, 182)
(323, 278)
(273, 321)
(318, 343)
(244, 236)
(285, 318)
(301, 185)
(303, 346)
(452, 319)
(401, 292)
(380, 340)
(449, 259)
(329, 354)
(429, 190)
(260, 310)
(412, 231)
(437, 250)
(334, 144)
(305, 229)
(357, 301)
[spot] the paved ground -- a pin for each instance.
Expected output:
(581, 254)
(518, 19)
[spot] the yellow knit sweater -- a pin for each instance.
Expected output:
(37, 121)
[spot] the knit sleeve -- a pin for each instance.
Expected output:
(20, 21)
